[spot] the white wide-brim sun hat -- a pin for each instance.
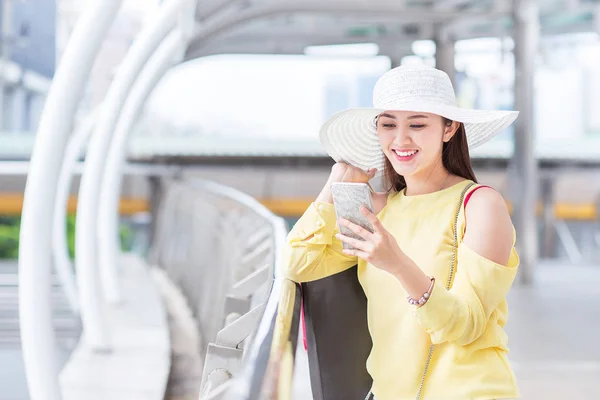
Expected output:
(351, 135)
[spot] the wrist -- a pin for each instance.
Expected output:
(325, 195)
(420, 301)
(412, 278)
(401, 266)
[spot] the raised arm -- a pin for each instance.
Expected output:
(312, 251)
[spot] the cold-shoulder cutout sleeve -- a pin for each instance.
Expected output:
(460, 314)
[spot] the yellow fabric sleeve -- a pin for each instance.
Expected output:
(460, 314)
(312, 251)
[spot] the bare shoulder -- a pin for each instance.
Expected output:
(489, 229)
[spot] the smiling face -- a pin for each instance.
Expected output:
(413, 141)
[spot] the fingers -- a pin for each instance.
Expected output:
(375, 223)
(357, 253)
(349, 173)
(356, 243)
(359, 230)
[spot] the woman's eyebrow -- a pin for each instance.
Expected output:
(411, 117)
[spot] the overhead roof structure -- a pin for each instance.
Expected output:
(288, 27)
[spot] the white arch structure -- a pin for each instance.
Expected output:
(37, 334)
(92, 313)
(60, 248)
(171, 51)
(160, 44)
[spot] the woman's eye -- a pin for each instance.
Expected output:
(417, 126)
(388, 125)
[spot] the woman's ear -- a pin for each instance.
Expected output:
(450, 131)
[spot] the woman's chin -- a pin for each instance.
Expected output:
(404, 170)
(404, 167)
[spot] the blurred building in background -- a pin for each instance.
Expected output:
(118, 40)
(27, 61)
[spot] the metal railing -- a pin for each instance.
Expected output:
(222, 248)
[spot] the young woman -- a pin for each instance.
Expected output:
(436, 295)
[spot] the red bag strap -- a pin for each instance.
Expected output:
(468, 197)
(303, 325)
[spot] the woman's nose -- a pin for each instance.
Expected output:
(402, 136)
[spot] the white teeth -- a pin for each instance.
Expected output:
(405, 153)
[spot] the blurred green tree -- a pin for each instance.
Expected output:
(10, 227)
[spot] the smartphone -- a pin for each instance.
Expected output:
(347, 199)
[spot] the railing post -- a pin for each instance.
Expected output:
(549, 229)
(245, 241)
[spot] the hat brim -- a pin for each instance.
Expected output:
(351, 135)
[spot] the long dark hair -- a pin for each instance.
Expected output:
(455, 158)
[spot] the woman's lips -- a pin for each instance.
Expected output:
(405, 155)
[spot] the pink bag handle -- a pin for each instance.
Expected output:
(303, 326)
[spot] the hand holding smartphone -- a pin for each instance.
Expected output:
(347, 199)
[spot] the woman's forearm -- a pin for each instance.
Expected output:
(412, 278)
(325, 195)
